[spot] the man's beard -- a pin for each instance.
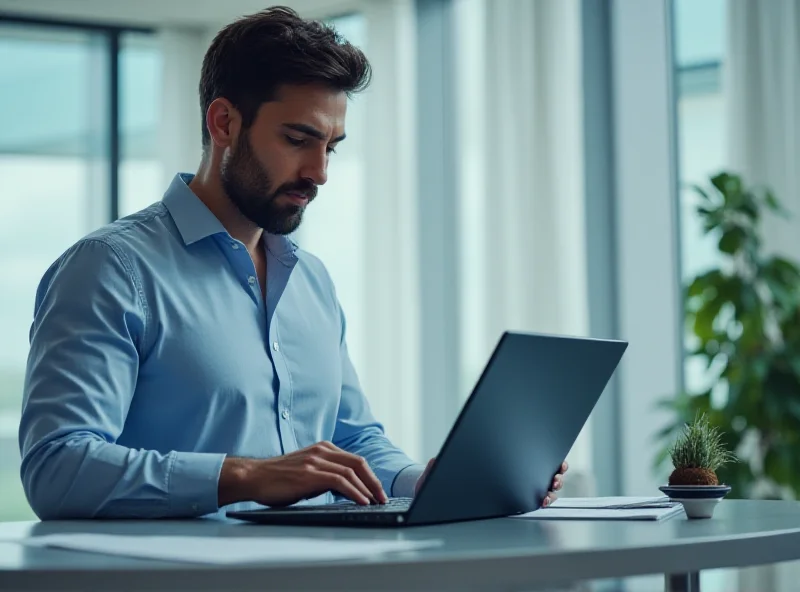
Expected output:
(248, 186)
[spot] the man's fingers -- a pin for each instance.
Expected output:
(350, 476)
(564, 467)
(363, 472)
(558, 483)
(332, 481)
(549, 499)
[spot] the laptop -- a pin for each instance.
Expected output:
(520, 421)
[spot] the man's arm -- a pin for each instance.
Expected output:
(89, 331)
(358, 432)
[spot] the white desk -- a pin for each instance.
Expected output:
(504, 554)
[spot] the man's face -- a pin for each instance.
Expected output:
(273, 171)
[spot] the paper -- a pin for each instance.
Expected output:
(607, 508)
(611, 503)
(225, 550)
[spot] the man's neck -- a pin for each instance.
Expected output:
(207, 186)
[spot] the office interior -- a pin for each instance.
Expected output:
(515, 165)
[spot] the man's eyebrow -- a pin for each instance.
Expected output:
(312, 131)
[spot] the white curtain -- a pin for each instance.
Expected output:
(762, 87)
(522, 190)
(762, 90)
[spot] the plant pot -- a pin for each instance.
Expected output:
(699, 501)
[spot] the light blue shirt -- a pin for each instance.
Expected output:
(153, 356)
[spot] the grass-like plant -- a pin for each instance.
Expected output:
(697, 453)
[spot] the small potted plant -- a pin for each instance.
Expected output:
(696, 455)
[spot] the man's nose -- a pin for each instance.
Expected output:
(316, 168)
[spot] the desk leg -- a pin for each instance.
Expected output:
(685, 582)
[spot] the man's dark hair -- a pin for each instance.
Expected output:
(251, 58)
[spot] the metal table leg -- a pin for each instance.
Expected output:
(685, 582)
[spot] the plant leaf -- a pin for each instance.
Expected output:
(701, 192)
(732, 240)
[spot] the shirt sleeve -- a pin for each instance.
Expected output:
(357, 431)
(89, 329)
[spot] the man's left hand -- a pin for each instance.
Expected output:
(558, 482)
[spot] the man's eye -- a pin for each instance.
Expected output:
(331, 150)
(295, 141)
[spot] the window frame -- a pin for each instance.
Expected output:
(113, 34)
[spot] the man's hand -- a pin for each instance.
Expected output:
(558, 482)
(304, 474)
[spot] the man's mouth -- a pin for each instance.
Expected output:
(298, 198)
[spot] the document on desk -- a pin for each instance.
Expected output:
(607, 508)
(226, 550)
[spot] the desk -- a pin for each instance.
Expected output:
(503, 554)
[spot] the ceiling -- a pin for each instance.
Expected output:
(184, 13)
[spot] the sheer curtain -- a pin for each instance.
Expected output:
(762, 79)
(762, 89)
(521, 172)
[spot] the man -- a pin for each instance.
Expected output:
(190, 357)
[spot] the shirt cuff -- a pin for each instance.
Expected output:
(194, 483)
(406, 481)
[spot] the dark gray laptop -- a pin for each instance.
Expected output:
(500, 456)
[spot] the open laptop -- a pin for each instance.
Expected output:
(522, 418)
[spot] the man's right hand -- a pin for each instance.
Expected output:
(304, 474)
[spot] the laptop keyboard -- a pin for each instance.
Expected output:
(395, 504)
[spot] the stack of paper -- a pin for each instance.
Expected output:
(607, 508)
(225, 550)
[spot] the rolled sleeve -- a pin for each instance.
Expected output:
(405, 483)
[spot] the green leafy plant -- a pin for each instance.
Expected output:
(697, 453)
(743, 322)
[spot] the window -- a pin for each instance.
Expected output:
(55, 177)
(141, 178)
(699, 35)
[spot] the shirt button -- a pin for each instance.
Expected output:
(234, 246)
(276, 347)
(251, 280)
(285, 414)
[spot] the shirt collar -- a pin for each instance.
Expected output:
(282, 248)
(196, 222)
(193, 219)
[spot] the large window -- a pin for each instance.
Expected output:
(57, 178)
(699, 47)
(141, 178)
(699, 34)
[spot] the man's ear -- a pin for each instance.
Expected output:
(224, 122)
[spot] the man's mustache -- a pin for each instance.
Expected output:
(307, 188)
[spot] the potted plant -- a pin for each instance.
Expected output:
(696, 455)
(743, 322)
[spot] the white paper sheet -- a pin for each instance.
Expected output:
(225, 550)
(607, 508)
(609, 503)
